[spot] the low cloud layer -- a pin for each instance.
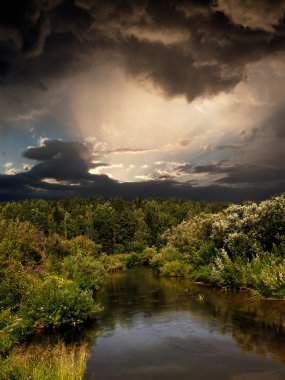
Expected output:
(62, 170)
(237, 173)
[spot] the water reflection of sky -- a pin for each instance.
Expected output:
(172, 335)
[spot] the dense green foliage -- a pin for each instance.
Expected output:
(115, 226)
(240, 246)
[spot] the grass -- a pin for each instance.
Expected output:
(58, 362)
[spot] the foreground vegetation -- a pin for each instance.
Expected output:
(55, 255)
(57, 362)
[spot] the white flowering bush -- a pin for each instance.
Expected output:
(261, 225)
(241, 246)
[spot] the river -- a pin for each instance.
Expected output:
(164, 328)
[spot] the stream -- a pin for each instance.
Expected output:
(154, 328)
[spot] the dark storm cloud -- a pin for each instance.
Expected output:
(44, 40)
(68, 164)
(27, 34)
(56, 148)
(24, 186)
(211, 169)
(238, 173)
(249, 14)
(210, 59)
(185, 168)
(254, 175)
(61, 160)
(176, 71)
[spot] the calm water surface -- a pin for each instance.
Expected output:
(160, 328)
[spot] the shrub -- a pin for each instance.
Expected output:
(190, 235)
(175, 269)
(226, 272)
(87, 272)
(56, 247)
(21, 241)
(133, 260)
(13, 328)
(112, 263)
(15, 283)
(202, 256)
(157, 261)
(238, 244)
(147, 255)
(82, 245)
(166, 254)
(59, 302)
(202, 273)
(268, 277)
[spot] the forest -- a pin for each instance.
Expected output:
(55, 255)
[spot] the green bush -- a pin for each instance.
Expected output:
(15, 282)
(82, 245)
(166, 254)
(268, 277)
(265, 274)
(59, 302)
(133, 260)
(13, 328)
(87, 272)
(238, 244)
(175, 269)
(112, 263)
(202, 273)
(21, 241)
(230, 273)
(202, 256)
(147, 255)
(157, 261)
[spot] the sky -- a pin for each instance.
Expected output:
(150, 98)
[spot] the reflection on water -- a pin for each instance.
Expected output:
(160, 328)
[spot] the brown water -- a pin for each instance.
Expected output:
(161, 328)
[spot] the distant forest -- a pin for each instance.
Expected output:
(116, 225)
